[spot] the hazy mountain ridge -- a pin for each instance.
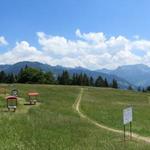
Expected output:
(138, 74)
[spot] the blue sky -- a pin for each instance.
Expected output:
(22, 19)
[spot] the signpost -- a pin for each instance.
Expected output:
(14, 92)
(127, 119)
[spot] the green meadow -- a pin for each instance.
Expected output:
(106, 106)
(53, 124)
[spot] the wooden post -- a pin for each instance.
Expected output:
(7, 104)
(5, 91)
(130, 130)
(124, 133)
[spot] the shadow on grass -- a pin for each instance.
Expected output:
(29, 104)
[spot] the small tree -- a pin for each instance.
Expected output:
(130, 87)
(114, 84)
(74, 79)
(91, 81)
(139, 89)
(99, 82)
(64, 79)
(106, 83)
(10, 78)
(143, 90)
(2, 77)
(49, 78)
(148, 88)
(80, 79)
(85, 80)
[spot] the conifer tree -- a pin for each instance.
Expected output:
(106, 83)
(80, 79)
(74, 79)
(130, 87)
(114, 84)
(2, 77)
(65, 78)
(10, 78)
(139, 89)
(99, 82)
(148, 88)
(85, 80)
(91, 82)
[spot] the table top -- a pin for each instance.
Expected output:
(11, 97)
(33, 94)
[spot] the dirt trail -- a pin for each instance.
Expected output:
(76, 106)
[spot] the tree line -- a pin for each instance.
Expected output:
(32, 75)
(83, 80)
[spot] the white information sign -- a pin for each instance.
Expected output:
(127, 115)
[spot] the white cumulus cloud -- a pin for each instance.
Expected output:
(93, 50)
(3, 41)
(90, 50)
(21, 52)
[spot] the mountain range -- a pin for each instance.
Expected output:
(15, 68)
(134, 75)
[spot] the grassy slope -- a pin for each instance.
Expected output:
(55, 125)
(106, 107)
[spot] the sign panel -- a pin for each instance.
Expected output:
(14, 92)
(127, 115)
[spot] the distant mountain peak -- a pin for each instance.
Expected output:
(80, 68)
(104, 70)
(133, 66)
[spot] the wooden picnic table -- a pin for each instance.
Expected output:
(12, 102)
(33, 96)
